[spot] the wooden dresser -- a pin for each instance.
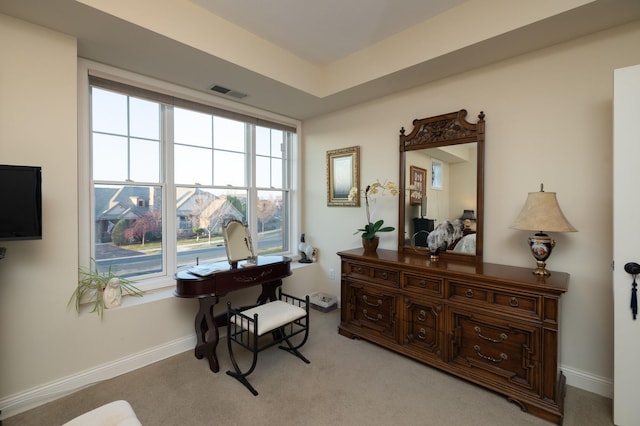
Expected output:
(494, 325)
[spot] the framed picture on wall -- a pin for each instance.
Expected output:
(418, 181)
(343, 174)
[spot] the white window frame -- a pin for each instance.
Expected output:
(85, 188)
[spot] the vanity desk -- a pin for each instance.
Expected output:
(494, 325)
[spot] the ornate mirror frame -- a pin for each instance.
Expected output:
(440, 131)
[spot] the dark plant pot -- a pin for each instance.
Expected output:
(370, 246)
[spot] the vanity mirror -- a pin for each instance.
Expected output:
(237, 242)
(451, 151)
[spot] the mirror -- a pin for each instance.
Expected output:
(237, 242)
(441, 200)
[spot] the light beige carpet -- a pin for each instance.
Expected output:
(349, 382)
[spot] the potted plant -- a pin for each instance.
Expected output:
(369, 235)
(102, 289)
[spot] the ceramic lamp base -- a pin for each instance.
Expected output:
(541, 246)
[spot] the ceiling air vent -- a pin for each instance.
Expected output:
(220, 89)
(228, 92)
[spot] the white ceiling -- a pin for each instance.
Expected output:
(321, 32)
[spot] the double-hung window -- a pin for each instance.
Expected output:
(166, 173)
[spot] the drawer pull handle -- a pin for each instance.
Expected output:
(513, 302)
(422, 284)
(422, 334)
(384, 276)
(478, 331)
(364, 312)
(469, 292)
(359, 270)
(422, 315)
(503, 356)
(366, 300)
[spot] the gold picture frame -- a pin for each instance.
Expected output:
(418, 180)
(343, 174)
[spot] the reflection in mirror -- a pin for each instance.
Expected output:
(237, 242)
(449, 191)
(442, 213)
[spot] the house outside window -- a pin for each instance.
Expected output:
(167, 173)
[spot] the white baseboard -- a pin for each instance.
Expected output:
(18, 403)
(589, 382)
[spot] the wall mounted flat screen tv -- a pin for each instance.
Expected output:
(20, 203)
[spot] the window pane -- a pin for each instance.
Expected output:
(276, 173)
(144, 119)
(277, 139)
(200, 213)
(109, 112)
(128, 229)
(109, 157)
(191, 128)
(271, 222)
(228, 168)
(228, 134)
(263, 172)
(192, 165)
(263, 141)
(145, 161)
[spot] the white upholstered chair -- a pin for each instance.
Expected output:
(116, 413)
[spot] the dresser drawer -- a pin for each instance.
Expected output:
(516, 301)
(424, 325)
(466, 291)
(507, 352)
(423, 284)
(513, 302)
(373, 309)
(370, 273)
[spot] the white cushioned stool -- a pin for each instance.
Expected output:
(283, 318)
(116, 413)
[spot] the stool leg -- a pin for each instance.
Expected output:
(294, 351)
(238, 374)
(242, 379)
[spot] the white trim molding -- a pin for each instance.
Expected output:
(589, 382)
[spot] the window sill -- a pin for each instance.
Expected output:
(164, 293)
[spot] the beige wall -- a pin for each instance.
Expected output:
(548, 120)
(42, 340)
(548, 116)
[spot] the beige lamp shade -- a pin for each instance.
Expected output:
(542, 213)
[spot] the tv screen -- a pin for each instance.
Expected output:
(21, 198)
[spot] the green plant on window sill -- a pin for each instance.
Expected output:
(375, 189)
(92, 284)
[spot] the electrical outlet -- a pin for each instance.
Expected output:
(332, 274)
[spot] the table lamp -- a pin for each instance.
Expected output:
(542, 213)
(467, 217)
